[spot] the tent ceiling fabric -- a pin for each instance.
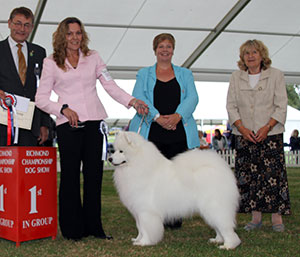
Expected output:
(122, 31)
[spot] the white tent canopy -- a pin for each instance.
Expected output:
(208, 36)
(208, 33)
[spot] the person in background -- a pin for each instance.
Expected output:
(171, 95)
(17, 76)
(257, 107)
(295, 140)
(229, 136)
(71, 72)
(219, 142)
(203, 143)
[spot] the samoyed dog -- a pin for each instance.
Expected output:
(155, 189)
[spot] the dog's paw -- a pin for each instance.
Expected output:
(142, 243)
(134, 239)
(232, 243)
(229, 247)
(215, 240)
(223, 247)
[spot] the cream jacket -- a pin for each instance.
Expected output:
(268, 99)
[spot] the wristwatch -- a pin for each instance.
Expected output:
(64, 106)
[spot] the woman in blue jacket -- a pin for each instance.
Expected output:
(170, 93)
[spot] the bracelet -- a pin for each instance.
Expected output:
(156, 117)
(269, 126)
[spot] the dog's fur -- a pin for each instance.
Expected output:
(155, 189)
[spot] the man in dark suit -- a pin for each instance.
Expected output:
(17, 74)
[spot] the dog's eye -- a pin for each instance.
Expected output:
(121, 151)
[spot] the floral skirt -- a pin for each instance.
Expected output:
(261, 175)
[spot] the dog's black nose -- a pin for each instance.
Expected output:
(110, 159)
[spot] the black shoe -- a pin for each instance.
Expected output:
(104, 237)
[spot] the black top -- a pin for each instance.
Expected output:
(166, 100)
(295, 143)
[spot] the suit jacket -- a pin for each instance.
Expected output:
(10, 81)
(144, 88)
(255, 106)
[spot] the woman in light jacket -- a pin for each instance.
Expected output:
(71, 72)
(257, 107)
(170, 93)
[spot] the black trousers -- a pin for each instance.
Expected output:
(80, 217)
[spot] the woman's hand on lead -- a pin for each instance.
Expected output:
(140, 106)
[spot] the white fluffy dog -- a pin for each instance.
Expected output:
(155, 189)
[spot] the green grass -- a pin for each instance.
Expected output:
(190, 240)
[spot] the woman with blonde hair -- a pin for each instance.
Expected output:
(257, 107)
(71, 72)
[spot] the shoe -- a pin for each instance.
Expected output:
(251, 226)
(278, 227)
(104, 237)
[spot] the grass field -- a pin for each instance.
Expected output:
(190, 240)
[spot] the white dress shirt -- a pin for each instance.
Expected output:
(14, 51)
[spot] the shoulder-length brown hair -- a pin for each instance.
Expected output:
(60, 43)
(295, 133)
(261, 48)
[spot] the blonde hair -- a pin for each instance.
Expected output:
(162, 37)
(59, 41)
(261, 48)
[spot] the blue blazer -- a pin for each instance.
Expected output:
(144, 88)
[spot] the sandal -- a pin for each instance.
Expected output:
(278, 227)
(251, 226)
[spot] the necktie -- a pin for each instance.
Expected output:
(22, 64)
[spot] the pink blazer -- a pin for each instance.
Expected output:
(77, 88)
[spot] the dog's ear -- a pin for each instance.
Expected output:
(127, 137)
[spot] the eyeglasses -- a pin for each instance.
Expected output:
(19, 25)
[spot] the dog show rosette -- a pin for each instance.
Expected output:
(9, 105)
